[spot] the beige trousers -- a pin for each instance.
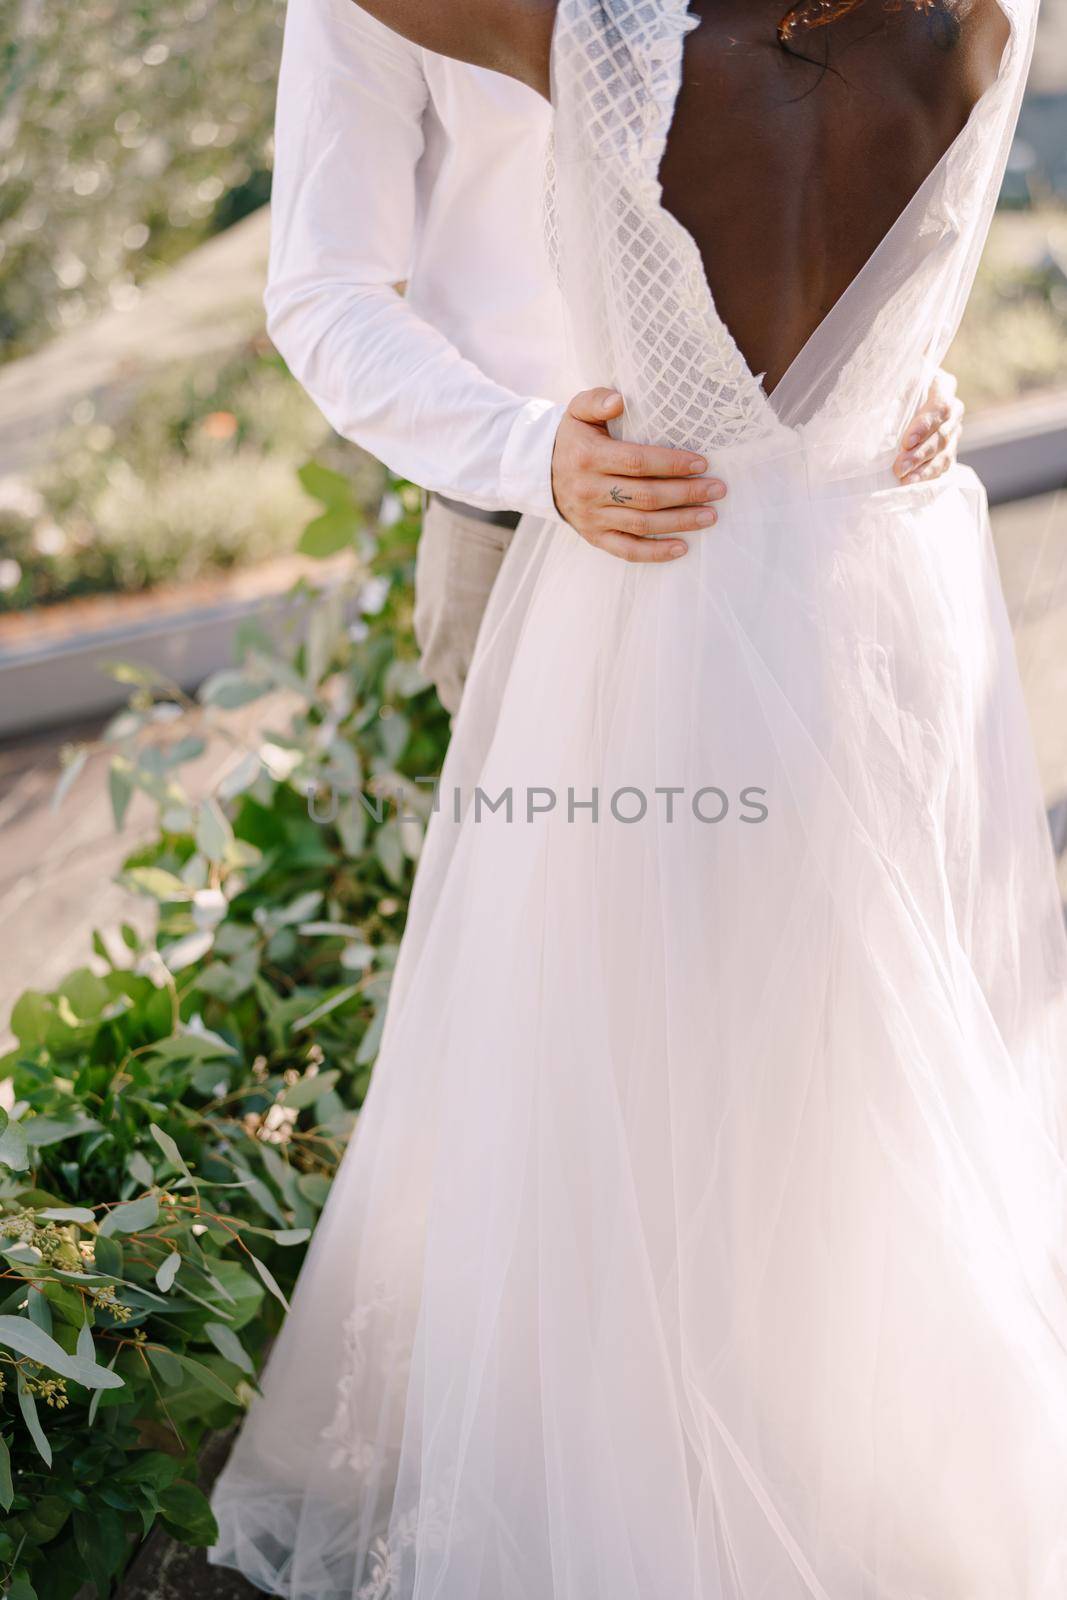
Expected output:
(456, 565)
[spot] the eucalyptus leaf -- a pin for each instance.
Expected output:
(169, 1148)
(229, 1346)
(42, 1131)
(120, 787)
(270, 1280)
(308, 1089)
(131, 1217)
(13, 1147)
(158, 883)
(26, 1339)
(213, 831)
(187, 951)
(7, 1491)
(207, 1378)
(332, 1002)
(167, 1271)
(38, 1310)
(167, 1365)
(28, 1408)
(140, 1169)
(230, 689)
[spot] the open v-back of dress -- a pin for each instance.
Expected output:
(704, 1232)
(635, 286)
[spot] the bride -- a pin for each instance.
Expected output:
(704, 1234)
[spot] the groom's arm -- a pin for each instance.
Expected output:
(348, 140)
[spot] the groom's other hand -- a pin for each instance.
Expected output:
(933, 438)
(627, 499)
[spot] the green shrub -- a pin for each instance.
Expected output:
(198, 477)
(181, 1107)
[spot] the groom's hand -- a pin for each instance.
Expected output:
(627, 499)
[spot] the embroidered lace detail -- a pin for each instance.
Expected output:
(632, 276)
(425, 1525)
(550, 210)
(371, 1320)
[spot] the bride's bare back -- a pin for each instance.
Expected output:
(787, 172)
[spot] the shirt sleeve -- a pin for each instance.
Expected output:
(348, 137)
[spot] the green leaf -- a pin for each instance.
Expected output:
(186, 952)
(188, 1513)
(120, 789)
(86, 1349)
(371, 1040)
(261, 1195)
(31, 1017)
(20, 1587)
(167, 1271)
(89, 995)
(167, 1365)
(269, 1279)
(38, 1310)
(307, 1090)
(389, 848)
(108, 1256)
(207, 1378)
(329, 488)
(169, 1148)
(13, 1148)
(187, 1045)
(314, 1186)
(43, 1131)
(140, 1169)
(159, 884)
(7, 1488)
(67, 1214)
(289, 1236)
(352, 826)
(32, 1421)
(24, 1337)
(101, 1543)
(229, 1346)
(231, 689)
(339, 997)
(152, 1468)
(213, 832)
(131, 1217)
(326, 535)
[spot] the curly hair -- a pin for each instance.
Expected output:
(804, 16)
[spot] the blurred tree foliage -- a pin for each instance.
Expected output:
(130, 130)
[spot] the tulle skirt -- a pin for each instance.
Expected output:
(703, 1236)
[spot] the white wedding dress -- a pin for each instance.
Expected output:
(704, 1233)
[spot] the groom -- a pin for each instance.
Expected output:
(395, 168)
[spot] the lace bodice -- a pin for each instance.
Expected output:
(640, 312)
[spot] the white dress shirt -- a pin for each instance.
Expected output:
(394, 165)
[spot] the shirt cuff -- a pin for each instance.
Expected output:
(526, 467)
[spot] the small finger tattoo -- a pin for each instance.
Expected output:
(618, 497)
